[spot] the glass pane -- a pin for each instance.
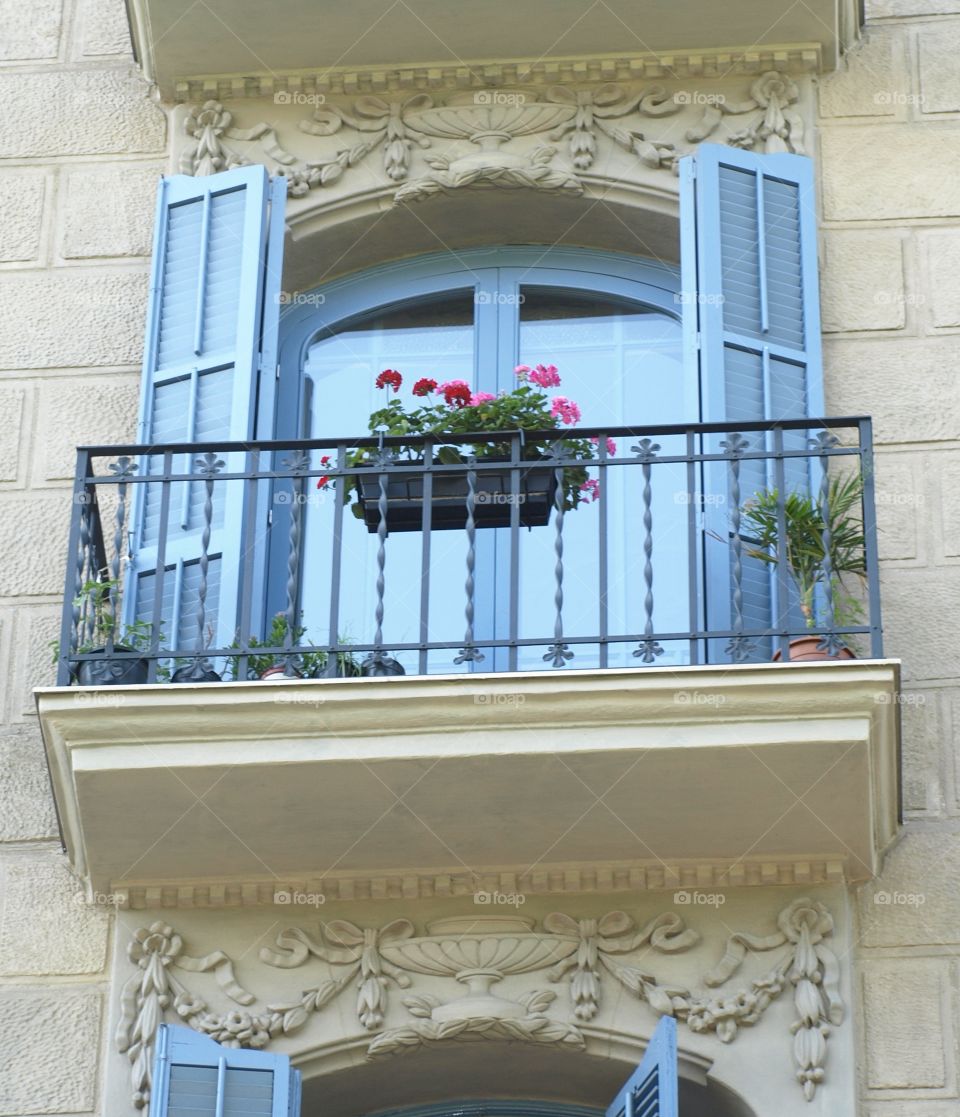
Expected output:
(432, 336)
(621, 362)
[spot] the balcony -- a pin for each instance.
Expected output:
(325, 643)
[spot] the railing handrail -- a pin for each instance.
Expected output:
(373, 441)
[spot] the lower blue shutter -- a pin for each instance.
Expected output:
(195, 1077)
(651, 1091)
(752, 321)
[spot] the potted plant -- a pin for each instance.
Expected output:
(99, 605)
(804, 550)
(452, 408)
(303, 665)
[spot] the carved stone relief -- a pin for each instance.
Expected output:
(583, 957)
(435, 143)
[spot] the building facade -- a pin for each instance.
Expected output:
(479, 885)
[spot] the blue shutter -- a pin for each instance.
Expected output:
(211, 327)
(651, 1091)
(752, 321)
(195, 1077)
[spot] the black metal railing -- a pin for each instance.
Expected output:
(682, 544)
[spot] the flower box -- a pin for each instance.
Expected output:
(493, 498)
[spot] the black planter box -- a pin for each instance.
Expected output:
(493, 499)
(107, 671)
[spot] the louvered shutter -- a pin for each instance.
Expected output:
(195, 1077)
(752, 319)
(211, 327)
(651, 1091)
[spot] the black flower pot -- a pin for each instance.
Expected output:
(198, 672)
(376, 666)
(107, 671)
(493, 498)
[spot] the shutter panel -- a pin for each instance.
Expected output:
(195, 1077)
(211, 326)
(651, 1091)
(752, 320)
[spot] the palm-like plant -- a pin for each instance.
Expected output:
(815, 530)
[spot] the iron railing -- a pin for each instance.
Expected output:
(182, 555)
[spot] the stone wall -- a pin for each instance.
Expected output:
(81, 146)
(889, 145)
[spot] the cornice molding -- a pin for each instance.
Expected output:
(797, 58)
(612, 878)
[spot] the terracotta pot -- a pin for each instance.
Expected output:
(279, 671)
(806, 649)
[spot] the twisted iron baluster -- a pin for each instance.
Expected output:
(123, 467)
(830, 642)
(649, 648)
(469, 653)
(298, 463)
(739, 647)
(378, 657)
(83, 551)
(558, 652)
(208, 467)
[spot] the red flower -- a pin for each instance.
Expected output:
(322, 482)
(391, 377)
(424, 387)
(456, 393)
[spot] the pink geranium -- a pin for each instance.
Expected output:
(480, 397)
(590, 490)
(565, 410)
(611, 446)
(545, 376)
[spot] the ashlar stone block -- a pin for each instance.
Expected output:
(862, 282)
(50, 1043)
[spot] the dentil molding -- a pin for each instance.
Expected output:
(757, 59)
(552, 137)
(586, 959)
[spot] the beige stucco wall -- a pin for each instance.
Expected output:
(889, 133)
(81, 144)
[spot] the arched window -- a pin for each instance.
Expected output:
(612, 326)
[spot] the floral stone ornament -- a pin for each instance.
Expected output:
(588, 960)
